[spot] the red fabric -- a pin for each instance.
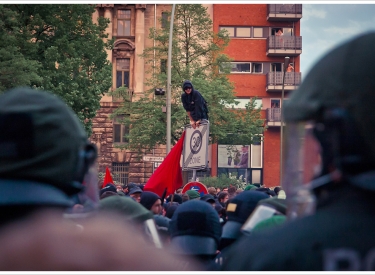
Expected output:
(107, 178)
(168, 175)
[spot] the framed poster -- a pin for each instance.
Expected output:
(233, 156)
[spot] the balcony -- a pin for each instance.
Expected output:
(274, 117)
(284, 12)
(284, 45)
(275, 81)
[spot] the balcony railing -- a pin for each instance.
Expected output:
(284, 45)
(275, 81)
(274, 116)
(284, 12)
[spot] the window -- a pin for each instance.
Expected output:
(163, 66)
(238, 31)
(123, 22)
(120, 130)
(258, 32)
(242, 103)
(122, 72)
(275, 103)
(199, 174)
(256, 153)
(257, 67)
(243, 32)
(230, 158)
(120, 171)
(230, 30)
(240, 67)
(256, 176)
(276, 67)
(245, 67)
(288, 31)
(284, 31)
(164, 20)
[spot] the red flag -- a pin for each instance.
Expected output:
(168, 175)
(107, 178)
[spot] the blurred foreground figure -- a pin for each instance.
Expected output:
(46, 160)
(48, 243)
(46, 167)
(329, 175)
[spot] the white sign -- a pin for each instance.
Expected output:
(157, 164)
(195, 154)
(153, 158)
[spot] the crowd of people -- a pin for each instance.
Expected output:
(196, 224)
(55, 218)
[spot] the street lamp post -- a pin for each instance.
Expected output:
(169, 82)
(286, 62)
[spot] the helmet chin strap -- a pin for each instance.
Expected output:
(334, 176)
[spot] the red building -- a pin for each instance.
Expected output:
(258, 54)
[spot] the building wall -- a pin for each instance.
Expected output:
(246, 85)
(142, 19)
(254, 85)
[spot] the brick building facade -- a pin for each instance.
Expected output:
(257, 71)
(257, 55)
(130, 24)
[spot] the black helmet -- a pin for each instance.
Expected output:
(195, 228)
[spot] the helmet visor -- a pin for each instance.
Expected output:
(302, 163)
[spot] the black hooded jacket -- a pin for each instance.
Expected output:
(194, 102)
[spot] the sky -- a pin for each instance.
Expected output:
(324, 26)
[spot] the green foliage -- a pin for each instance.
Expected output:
(56, 48)
(197, 56)
(223, 181)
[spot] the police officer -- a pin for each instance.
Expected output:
(45, 154)
(45, 159)
(194, 104)
(195, 232)
(329, 175)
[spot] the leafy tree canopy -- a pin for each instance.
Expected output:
(57, 48)
(197, 56)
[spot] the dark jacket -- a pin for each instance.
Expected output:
(194, 103)
(336, 238)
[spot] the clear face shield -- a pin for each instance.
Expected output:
(302, 165)
(261, 213)
(152, 233)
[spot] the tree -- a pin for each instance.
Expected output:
(15, 68)
(197, 56)
(59, 49)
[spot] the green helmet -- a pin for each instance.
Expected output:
(343, 78)
(43, 148)
(329, 134)
(338, 94)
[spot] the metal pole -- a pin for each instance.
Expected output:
(169, 82)
(194, 175)
(286, 61)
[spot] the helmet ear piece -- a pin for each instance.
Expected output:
(342, 146)
(86, 157)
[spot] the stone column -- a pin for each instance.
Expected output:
(108, 14)
(95, 15)
(139, 66)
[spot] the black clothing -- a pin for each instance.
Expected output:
(336, 238)
(194, 102)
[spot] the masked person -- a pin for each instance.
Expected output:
(194, 104)
(328, 175)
